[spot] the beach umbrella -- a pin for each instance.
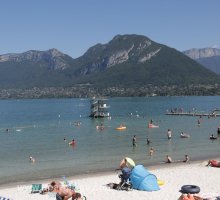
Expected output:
(130, 161)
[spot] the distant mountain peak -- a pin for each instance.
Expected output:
(208, 57)
(121, 49)
(202, 53)
(54, 58)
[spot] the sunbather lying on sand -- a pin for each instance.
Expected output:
(64, 192)
(189, 197)
(213, 163)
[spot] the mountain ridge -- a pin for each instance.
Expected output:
(132, 61)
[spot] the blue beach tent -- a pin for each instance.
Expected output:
(141, 179)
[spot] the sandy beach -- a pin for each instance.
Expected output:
(94, 186)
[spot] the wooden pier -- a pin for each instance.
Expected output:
(212, 114)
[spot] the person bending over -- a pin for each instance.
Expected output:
(64, 192)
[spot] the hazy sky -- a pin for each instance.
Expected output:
(72, 26)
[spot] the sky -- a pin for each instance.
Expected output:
(73, 26)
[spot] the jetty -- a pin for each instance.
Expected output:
(195, 113)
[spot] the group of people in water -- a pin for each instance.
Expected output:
(170, 160)
(151, 150)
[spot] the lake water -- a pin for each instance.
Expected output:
(38, 128)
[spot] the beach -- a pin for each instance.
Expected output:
(93, 186)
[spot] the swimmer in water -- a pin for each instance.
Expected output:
(31, 159)
(73, 142)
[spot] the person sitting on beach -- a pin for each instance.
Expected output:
(213, 163)
(189, 197)
(123, 163)
(186, 158)
(168, 159)
(64, 192)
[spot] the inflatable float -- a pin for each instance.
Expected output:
(121, 128)
(190, 189)
(184, 135)
(152, 126)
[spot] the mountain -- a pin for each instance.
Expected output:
(208, 57)
(126, 61)
(33, 68)
(135, 60)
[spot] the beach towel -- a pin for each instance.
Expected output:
(36, 188)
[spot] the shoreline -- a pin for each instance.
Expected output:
(94, 186)
(106, 172)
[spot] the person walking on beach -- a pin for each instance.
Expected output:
(134, 141)
(169, 134)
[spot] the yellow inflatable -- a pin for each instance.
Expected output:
(160, 183)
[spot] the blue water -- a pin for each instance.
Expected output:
(38, 128)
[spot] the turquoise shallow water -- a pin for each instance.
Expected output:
(38, 128)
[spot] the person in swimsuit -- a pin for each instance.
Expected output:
(134, 140)
(186, 158)
(169, 134)
(168, 159)
(64, 192)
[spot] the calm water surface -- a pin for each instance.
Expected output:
(38, 128)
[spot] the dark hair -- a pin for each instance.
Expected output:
(53, 183)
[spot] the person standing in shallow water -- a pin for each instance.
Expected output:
(186, 158)
(148, 141)
(169, 134)
(151, 151)
(134, 141)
